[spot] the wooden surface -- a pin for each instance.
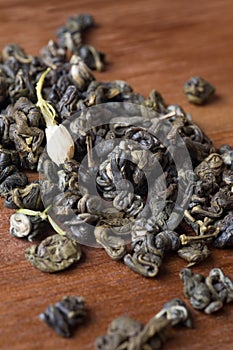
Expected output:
(152, 45)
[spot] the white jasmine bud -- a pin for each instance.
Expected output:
(60, 145)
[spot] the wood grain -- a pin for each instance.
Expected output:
(152, 45)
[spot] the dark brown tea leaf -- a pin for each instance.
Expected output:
(65, 315)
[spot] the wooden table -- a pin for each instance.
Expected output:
(152, 45)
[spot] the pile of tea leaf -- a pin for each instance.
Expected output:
(99, 174)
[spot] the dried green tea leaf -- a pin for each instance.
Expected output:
(53, 254)
(198, 90)
(195, 289)
(113, 245)
(207, 294)
(125, 333)
(194, 252)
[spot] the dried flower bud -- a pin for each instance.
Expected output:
(20, 225)
(60, 145)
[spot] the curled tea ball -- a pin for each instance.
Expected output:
(93, 58)
(198, 90)
(20, 225)
(167, 240)
(226, 152)
(54, 253)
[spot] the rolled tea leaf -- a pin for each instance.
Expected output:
(119, 333)
(53, 254)
(145, 258)
(221, 289)
(198, 90)
(125, 333)
(195, 289)
(207, 294)
(194, 252)
(113, 245)
(93, 58)
(64, 315)
(80, 73)
(28, 197)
